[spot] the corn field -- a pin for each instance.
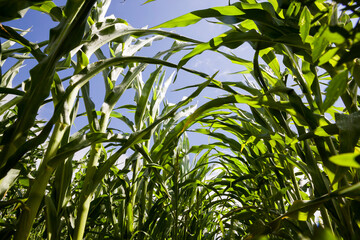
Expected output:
(283, 152)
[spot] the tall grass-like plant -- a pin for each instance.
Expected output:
(46, 192)
(284, 143)
(290, 131)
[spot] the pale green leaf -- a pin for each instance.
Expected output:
(304, 23)
(302, 210)
(145, 93)
(347, 160)
(319, 46)
(269, 57)
(7, 181)
(327, 56)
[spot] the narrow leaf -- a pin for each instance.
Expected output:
(347, 160)
(8, 181)
(302, 210)
(336, 87)
(304, 23)
(142, 104)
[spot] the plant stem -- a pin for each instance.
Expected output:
(86, 194)
(37, 191)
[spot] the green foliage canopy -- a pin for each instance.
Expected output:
(284, 143)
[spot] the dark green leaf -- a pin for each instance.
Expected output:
(336, 88)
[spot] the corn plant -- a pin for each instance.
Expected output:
(45, 191)
(284, 144)
(290, 132)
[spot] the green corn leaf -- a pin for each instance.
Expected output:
(116, 30)
(13, 35)
(10, 10)
(247, 11)
(148, 1)
(352, 190)
(352, 54)
(336, 34)
(336, 88)
(9, 104)
(349, 131)
(346, 160)
(232, 39)
(269, 57)
(145, 92)
(11, 91)
(355, 71)
(237, 60)
(51, 217)
(82, 142)
(42, 75)
(189, 121)
(8, 77)
(118, 90)
(159, 97)
(324, 234)
(302, 210)
(319, 45)
(62, 183)
(292, 9)
(64, 64)
(92, 69)
(13, 52)
(7, 181)
(63, 174)
(311, 78)
(50, 8)
(326, 131)
(90, 108)
(304, 23)
(73, 24)
(183, 21)
(82, 61)
(138, 136)
(302, 110)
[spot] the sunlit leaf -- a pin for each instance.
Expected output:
(346, 160)
(302, 210)
(304, 23)
(7, 181)
(336, 87)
